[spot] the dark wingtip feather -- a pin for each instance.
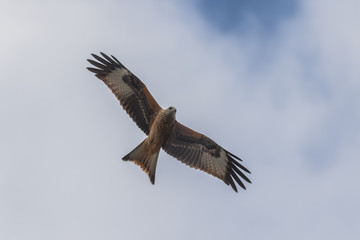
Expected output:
(234, 172)
(152, 179)
(118, 62)
(105, 62)
(100, 59)
(239, 165)
(231, 181)
(103, 65)
(231, 159)
(233, 155)
(109, 59)
(126, 158)
(241, 174)
(94, 70)
(89, 60)
(98, 72)
(94, 55)
(96, 64)
(236, 177)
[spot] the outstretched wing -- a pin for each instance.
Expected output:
(132, 93)
(200, 152)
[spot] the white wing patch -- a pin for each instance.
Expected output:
(215, 165)
(119, 88)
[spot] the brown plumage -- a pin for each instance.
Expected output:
(163, 131)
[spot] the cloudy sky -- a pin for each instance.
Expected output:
(277, 83)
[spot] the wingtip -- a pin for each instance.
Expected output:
(93, 70)
(233, 155)
(233, 161)
(104, 55)
(152, 179)
(231, 182)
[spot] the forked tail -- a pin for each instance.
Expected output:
(145, 158)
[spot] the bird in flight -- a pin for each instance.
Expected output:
(163, 131)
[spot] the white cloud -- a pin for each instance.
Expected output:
(288, 106)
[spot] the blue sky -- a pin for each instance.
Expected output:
(275, 84)
(233, 15)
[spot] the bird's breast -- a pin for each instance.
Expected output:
(161, 129)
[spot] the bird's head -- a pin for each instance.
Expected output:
(171, 110)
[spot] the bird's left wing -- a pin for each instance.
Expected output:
(132, 93)
(200, 152)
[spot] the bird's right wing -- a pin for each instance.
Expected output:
(132, 93)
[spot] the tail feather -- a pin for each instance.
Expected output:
(146, 159)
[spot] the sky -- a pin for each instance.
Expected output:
(275, 83)
(235, 15)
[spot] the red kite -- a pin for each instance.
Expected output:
(162, 130)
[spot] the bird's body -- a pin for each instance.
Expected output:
(162, 129)
(146, 154)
